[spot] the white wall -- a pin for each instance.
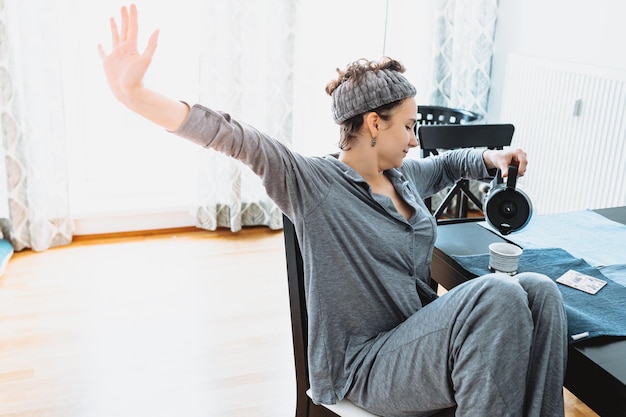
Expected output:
(333, 33)
(577, 31)
(584, 37)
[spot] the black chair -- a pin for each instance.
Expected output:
(304, 404)
(437, 115)
(434, 137)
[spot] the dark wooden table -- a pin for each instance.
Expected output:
(596, 369)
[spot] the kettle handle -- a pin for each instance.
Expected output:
(511, 179)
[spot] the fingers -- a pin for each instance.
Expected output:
(521, 165)
(504, 170)
(124, 32)
(115, 37)
(128, 32)
(148, 53)
(103, 55)
(516, 157)
(133, 26)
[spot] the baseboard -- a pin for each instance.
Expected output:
(132, 221)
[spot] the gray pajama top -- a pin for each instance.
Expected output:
(363, 262)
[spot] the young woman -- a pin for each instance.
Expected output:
(378, 334)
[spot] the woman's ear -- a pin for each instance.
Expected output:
(372, 120)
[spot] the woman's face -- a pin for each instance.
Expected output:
(397, 135)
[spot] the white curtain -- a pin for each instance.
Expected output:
(32, 126)
(463, 40)
(247, 70)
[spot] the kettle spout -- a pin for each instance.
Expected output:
(505, 228)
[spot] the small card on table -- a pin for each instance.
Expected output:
(582, 282)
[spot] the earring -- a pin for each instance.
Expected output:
(373, 142)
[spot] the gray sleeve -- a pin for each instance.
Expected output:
(435, 173)
(284, 172)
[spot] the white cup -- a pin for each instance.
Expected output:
(504, 257)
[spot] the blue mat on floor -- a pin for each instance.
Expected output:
(6, 252)
(600, 314)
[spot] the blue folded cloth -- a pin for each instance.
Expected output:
(573, 231)
(600, 314)
(615, 272)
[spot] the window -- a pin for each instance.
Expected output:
(120, 163)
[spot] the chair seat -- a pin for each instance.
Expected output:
(345, 408)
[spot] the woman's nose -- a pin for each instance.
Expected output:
(413, 140)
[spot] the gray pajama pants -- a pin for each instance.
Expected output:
(495, 346)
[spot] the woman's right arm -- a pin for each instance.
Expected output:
(284, 173)
(125, 68)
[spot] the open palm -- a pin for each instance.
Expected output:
(125, 67)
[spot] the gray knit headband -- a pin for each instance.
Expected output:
(376, 89)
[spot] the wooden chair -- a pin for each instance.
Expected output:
(304, 404)
(434, 137)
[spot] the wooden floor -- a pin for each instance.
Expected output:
(191, 323)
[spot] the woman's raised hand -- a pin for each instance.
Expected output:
(125, 67)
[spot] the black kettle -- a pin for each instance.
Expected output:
(506, 208)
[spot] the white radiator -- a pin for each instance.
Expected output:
(572, 122)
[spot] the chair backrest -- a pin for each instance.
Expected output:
(295, 275)
(434, 137)
(493, 136)
(438, 115)
(297, 302)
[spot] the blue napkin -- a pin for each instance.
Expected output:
(600, 314)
